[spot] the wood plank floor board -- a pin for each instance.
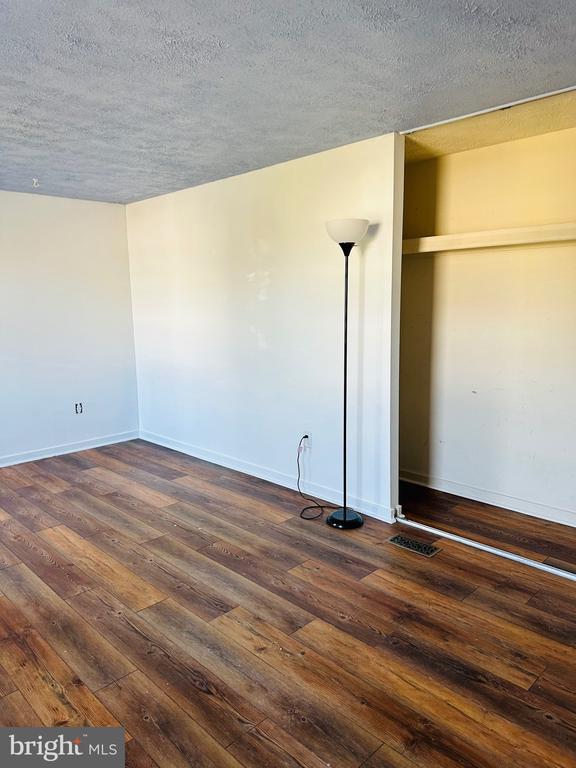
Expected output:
(143, 455)
(168, 734)
(191, 604)
(57, 572)
(555, 691)
(134, 591)
(201, 598)
(138, 461)
(236, 589)
(282, 555)
(479, 569)
(220, 476)
(110, 516)
(27, 513)
(463, 576)
(282, 652)
(561, 674)
(80, 460)
(190, 465)
(557, 605)
(64, 510)
(550, 730)
(428, 621)
(100, 458)
(316, 602)
(13, 623)
(114, 481)
(386, 757)
(12, 479)
(380, 633)
(366, 631)
(34, 475)
(93, 659)
(180, 462)
(268, 510)
(213, 704)
(15, 712)
(256, 487)
(163, 520)
(137, 757)
(7, 684)
(423, 693)
(269, 745)
(317, 531)
(554, 628)
(178, 459)
(7, 557)
(324, 553)
(395, 724)
(240, 517)
(52, 689)
(424, 612)
(277, 535)
(207, 497)
(75, 477)
(524, 649)
(344, 609)
(182, 490)
(316, 724)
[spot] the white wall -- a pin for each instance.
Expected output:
(65, 326)
(237, 295)
(488, 336)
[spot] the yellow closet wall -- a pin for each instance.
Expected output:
(488, 340)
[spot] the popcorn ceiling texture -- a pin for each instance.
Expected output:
(123, 100)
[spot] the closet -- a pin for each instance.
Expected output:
(488, 330)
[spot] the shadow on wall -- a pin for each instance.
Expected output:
(358, 304)
(416, 322)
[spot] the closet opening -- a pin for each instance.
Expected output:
(488, 332)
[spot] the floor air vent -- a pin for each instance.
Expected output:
(428, 550)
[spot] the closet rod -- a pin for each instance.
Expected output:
(492, 238)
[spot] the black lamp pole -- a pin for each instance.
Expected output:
(344, 516)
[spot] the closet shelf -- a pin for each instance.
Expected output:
(544, 233)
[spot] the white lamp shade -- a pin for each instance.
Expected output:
(347, 230)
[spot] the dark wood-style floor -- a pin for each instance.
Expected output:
(193, 606)
(540, 540)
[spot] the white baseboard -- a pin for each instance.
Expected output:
(370, 508)
(59, 450)
(526, 507)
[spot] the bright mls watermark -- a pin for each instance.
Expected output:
(81, 747)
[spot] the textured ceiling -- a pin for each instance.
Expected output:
(124, 99)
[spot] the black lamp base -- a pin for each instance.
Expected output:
(336, 518)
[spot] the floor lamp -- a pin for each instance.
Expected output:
(346, 232)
